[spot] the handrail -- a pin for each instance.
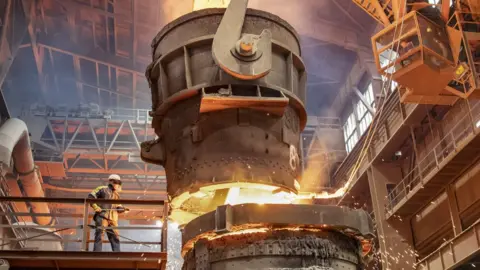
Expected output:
(113, 113)
(85, 227)
(405, 186)
(446, 243)
(10, 208)
(80, 200)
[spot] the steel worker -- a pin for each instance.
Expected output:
(106, 214)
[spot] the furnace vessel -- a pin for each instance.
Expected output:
(228, 92)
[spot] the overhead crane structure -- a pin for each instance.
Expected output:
(418, 167)
(437, 39)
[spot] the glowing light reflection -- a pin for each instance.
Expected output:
(202, 4)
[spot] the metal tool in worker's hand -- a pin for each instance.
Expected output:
(126, 209)
(72, 228)
(117, 234)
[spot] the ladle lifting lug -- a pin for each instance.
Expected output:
(243, 56)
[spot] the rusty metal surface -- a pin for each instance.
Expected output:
(229, 218)
(182, 56)
(276, 237)
(209, 23)
(214, 128)
(276, 250)
(248, 146)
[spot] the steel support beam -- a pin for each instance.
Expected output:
(391, 243)
(50, 128)
(13, 32)
(350, 17)
(345, 93)
(454, 211)
(102, 60)
(380, 12)
(94, 135)
(133, 134)
(364, 64)
(6, 57)
(74, 136)
(399, 8)
(363, 100)
(446, 9)
(110, 154)
(115, 136)
(4, 112)
(29, 7)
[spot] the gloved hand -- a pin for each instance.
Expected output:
(98, 210)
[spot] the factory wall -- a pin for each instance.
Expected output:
(444, 216)
(432, 225)
(437, 134)
(395, 236)
(435, 222)
(467, 191)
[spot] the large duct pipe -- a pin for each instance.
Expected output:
(14, 141)
(14, 190)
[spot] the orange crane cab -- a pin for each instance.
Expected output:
(432, 52)
(464, 27)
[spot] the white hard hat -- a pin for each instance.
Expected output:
(114, 177)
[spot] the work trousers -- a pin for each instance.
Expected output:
(99, 231)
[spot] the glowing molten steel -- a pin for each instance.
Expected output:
(237, 195)
(188, 206)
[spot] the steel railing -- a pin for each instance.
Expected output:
(146, 213)
(120, 114)
(442, 151)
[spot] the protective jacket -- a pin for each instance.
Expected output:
(109, 210)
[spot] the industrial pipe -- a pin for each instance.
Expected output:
(14, 141)
(19, 207)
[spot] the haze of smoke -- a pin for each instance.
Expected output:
(174, 246)
(315, 174)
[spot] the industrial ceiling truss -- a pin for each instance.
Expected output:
(87, 141)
